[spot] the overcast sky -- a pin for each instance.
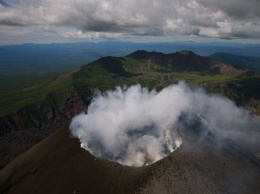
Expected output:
(139, 20)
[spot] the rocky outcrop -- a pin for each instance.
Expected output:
(74, 105)
(45, 113)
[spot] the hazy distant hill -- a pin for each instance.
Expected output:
(58, 58)
(252, 63)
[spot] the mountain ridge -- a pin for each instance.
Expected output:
(128, 69)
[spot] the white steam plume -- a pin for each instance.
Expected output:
(135, 127)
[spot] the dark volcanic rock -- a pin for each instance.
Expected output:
(15, 143)
(42, 115)
(59, 165)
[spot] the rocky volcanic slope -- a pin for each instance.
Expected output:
(59, 165)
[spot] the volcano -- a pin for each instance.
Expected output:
(204, 162)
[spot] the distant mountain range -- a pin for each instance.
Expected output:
(252, 63)
(40, 59)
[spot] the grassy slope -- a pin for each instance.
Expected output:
(20, 95)
(243, 89)
(109, 72)
(148, 75)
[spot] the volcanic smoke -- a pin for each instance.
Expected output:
(135, 127)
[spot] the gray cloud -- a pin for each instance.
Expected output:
(209, 18)
(240, 9)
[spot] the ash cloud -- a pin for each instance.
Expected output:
(136, 127)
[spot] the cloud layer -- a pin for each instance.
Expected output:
(135, 127)
(121, 18)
